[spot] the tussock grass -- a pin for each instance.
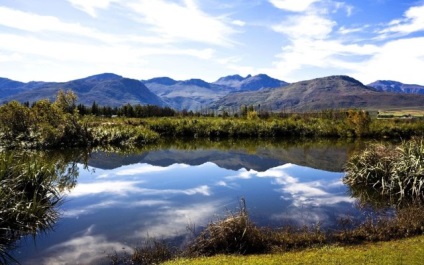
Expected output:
(28, 201)
(395, 173)
(236, 234)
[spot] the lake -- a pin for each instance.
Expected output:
(119, 199)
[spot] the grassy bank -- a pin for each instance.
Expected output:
(238, 235)
(405, 251)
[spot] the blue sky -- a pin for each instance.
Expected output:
(292, 40)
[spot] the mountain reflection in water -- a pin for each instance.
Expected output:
(124, 198)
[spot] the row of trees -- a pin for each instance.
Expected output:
(128, 110)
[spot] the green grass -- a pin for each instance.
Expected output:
(405, 251)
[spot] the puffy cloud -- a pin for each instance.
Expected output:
(293, 5)
(310, 26)
(182, 22)
(413, 21)
(85, 249)
(401, 60)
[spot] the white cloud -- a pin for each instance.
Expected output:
(37, 23)
(185, 22)
(293, 5)
(139, 169)
(401, 60)
(311, 26)
(110, 187)
(314, 45)
(173, 221)
(90, 7)
(413, 21)
(345, 30)
(86, 249)
(239, 23)
(123, 188)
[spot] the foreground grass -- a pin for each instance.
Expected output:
(405, 251)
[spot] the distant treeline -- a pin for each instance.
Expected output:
(128, 110)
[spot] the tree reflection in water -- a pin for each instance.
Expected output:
(32, 185)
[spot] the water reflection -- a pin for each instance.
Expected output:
(121, 198)
(260, 155)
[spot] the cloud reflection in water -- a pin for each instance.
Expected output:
(133, 202)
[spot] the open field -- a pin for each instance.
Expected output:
(396, 113)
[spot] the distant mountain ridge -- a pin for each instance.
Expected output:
(397, 87)
(105, 89)
(250, 83)
(332, 92)
(196, 94)
(231, 91)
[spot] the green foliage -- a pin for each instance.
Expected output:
(121, 135)
(16, 121)
(66, 101)
(359, 120)
(45, 124)
(61, 124)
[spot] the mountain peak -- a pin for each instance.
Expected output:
(195, 82)
(229, 78)
(396, 87)
(166, 81)
(102, 77)
(250, 82)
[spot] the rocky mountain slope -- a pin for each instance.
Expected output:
(196, 94)
(105, 89)
(320, 93)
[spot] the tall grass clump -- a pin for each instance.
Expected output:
(122, 135)
(236, 234)
(396, 172)
(28, 200)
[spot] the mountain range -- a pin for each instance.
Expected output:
(195, 94)
(231, 91)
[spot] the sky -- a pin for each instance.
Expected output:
(292, 40)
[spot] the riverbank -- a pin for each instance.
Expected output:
(404, 251)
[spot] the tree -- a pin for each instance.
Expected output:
(66, 101)
(15, 119)
(359, 120)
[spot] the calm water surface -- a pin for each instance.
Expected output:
(121, 199)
